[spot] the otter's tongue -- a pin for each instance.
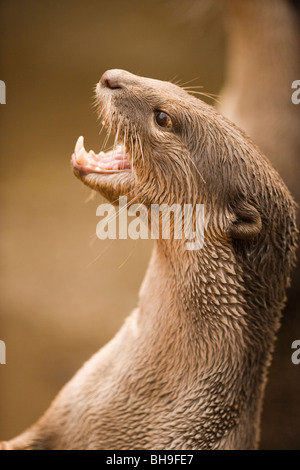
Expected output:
(102, 162)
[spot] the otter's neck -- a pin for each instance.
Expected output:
(192, 303)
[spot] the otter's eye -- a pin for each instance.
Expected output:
(163, 119)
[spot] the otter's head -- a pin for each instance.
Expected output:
(171, 148)
(155, 134)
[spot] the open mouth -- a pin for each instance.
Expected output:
(113, 161)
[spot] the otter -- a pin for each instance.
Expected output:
(187, 370)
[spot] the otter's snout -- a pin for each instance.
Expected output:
(116, 78)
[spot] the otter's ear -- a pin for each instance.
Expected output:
(246, 222)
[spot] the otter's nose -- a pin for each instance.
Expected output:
(116, 78)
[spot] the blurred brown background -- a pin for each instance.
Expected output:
(64, 293)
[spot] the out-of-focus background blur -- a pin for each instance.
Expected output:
(64, 293)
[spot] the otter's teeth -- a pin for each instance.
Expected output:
(93, 155)
(81, 158)
(79, 144)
